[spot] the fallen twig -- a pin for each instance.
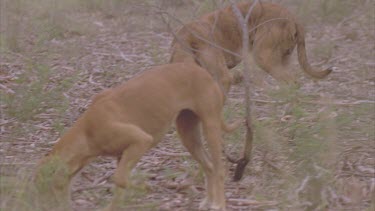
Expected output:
(101, 185)
(334, 102)
(7, 122)
(15, 138)
(174, 154)
(251, 202)
(7, 89)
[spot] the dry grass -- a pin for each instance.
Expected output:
(314, 145)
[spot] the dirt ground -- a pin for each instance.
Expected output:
(314, 146)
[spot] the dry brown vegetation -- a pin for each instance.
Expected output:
(314, 146)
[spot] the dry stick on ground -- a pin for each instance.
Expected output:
(243, 21)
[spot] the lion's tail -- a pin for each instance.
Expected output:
(302, 57)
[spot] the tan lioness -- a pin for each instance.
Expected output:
(128, 120)
(214, 40)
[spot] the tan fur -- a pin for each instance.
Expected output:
(274, 33)
(128, 120)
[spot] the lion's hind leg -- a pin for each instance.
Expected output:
(137, 143)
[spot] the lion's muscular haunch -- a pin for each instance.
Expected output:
(274, 33)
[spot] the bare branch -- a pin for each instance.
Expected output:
(243, 20)
(265, 22)
(241, 163)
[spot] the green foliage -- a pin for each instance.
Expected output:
(329, 10)
(303, 146)
(34, 93)
(234, 140)
(110, 8)
(42, 20)
(25, 191)
(48, 172)
(206, 7)
(10, 26)
(156, 55)
(13, 192)
(308, 137)
(287, 93)
(136, 190)
(324, 50)
(266, 137)
(335, 10)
